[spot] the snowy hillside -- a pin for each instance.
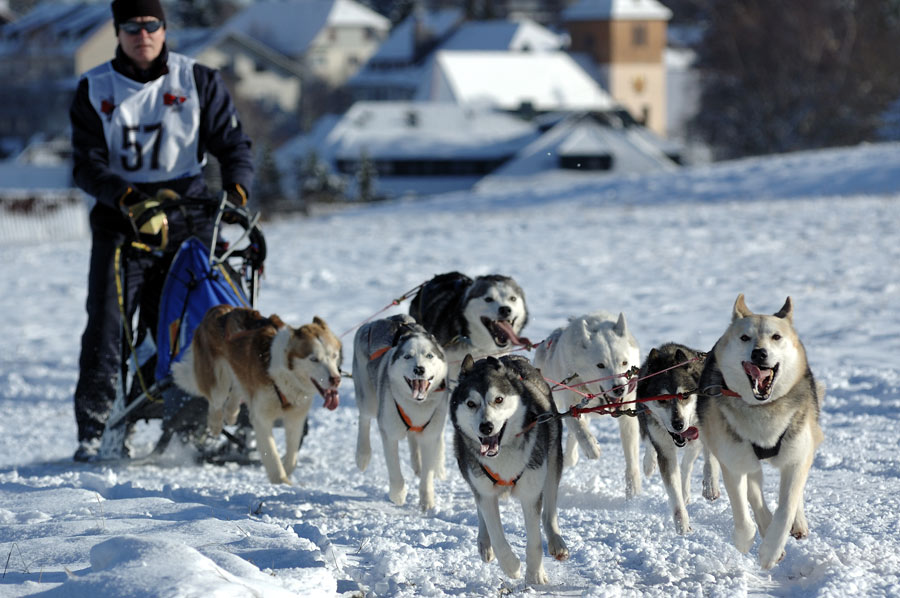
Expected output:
(671, 250)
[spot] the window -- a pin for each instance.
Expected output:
(639, 35)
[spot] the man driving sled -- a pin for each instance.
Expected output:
(141, 126)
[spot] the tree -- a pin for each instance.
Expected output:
(267, 182)
(366, 176)
(783, 76)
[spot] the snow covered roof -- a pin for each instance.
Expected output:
(291, 26)
(194, 41)
(417, 130)
(604, 10)
(55, 26)
(582, 136)
(400, 45)
(495, 35)
(507, 80)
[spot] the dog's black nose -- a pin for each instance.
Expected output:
(759, 355)
(486, 428)
(504, 311)
(419, 370)
(677, 423)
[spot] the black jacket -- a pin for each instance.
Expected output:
(229, 144)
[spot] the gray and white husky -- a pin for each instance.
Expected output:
(502, 448)
(399, 373)
(477, 317)
(760, 402)
(591, 354)
(670, 424)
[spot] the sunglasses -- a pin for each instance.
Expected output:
(134, 27)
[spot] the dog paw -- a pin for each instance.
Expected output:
(280, 480)
(711, 491)
(743, 538)
(557, 549)
(398, 495)
(800, 529)
(362, 460)
(426, 501)
(441, 472)
(682, 523)
(537, 578)
(632, 487)
(486, 553)
(769, 556)
(511, 566)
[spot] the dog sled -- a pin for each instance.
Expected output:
(187, 281)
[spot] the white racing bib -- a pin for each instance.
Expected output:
(151, 129)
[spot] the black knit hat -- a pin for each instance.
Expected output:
(128, 9)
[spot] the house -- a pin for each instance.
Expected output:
(513, 81)
(581, 145)
(417, 148)
(625, 40)
(251, 69)
(330, 39)
(406, 58)
(42, 56)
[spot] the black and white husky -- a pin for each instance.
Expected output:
(477, 317)
(502, 448)
(667, 425)
(399, 373)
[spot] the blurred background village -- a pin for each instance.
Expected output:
(365, 100)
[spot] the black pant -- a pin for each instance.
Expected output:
(100, 364)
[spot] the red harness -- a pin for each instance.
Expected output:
(498, 481)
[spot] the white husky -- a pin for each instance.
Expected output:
(399, 373)
(592, 354)
(760, 402)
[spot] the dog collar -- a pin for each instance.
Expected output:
(284, 402)
(408, 422)
(498, 481)
(767, 453)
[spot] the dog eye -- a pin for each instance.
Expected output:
(488, 299)
(498, 400)
(601, 366)
(314, 359)
(471, 404)
(429, 356)
(745, 338)
(407, 356)
(625, 362)
(513, 298)
(776, 337)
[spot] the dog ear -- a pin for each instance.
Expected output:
(621, 327)
(786, 311)
(740, 309)
(467, 364)
(319, 321)
(680, 356)
(654, 355)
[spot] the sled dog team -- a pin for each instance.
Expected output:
(751, 399)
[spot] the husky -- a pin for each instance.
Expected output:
(237, 355)
(673, 370)
(477, 317)
(399, 373)
(593, 354)
(760, 402)
(504, 446)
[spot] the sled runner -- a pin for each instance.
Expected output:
(188, 278)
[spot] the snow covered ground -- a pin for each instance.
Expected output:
(671, 250)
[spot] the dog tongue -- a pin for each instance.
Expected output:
(755, 372)
(490, 446)
(331, 399)
(508, 330)
(419, 388)
(691, 434)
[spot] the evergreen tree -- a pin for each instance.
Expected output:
(366, 176)
(783, 76)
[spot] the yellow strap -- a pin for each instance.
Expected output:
(126, 328)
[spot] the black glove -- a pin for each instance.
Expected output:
(237, 196)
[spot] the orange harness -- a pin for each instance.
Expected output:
(409, 425)
(498, 481)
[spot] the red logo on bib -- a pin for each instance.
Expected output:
(107, 107)
(173, 100)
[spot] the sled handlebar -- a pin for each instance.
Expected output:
(255, 251)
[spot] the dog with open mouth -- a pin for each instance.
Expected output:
(237, 355)
(760, 403)
(399, 374)
(667, 425)
(479, 317)
(593, 354)
(507, 442)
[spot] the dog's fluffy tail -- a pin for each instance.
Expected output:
(183, 373)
